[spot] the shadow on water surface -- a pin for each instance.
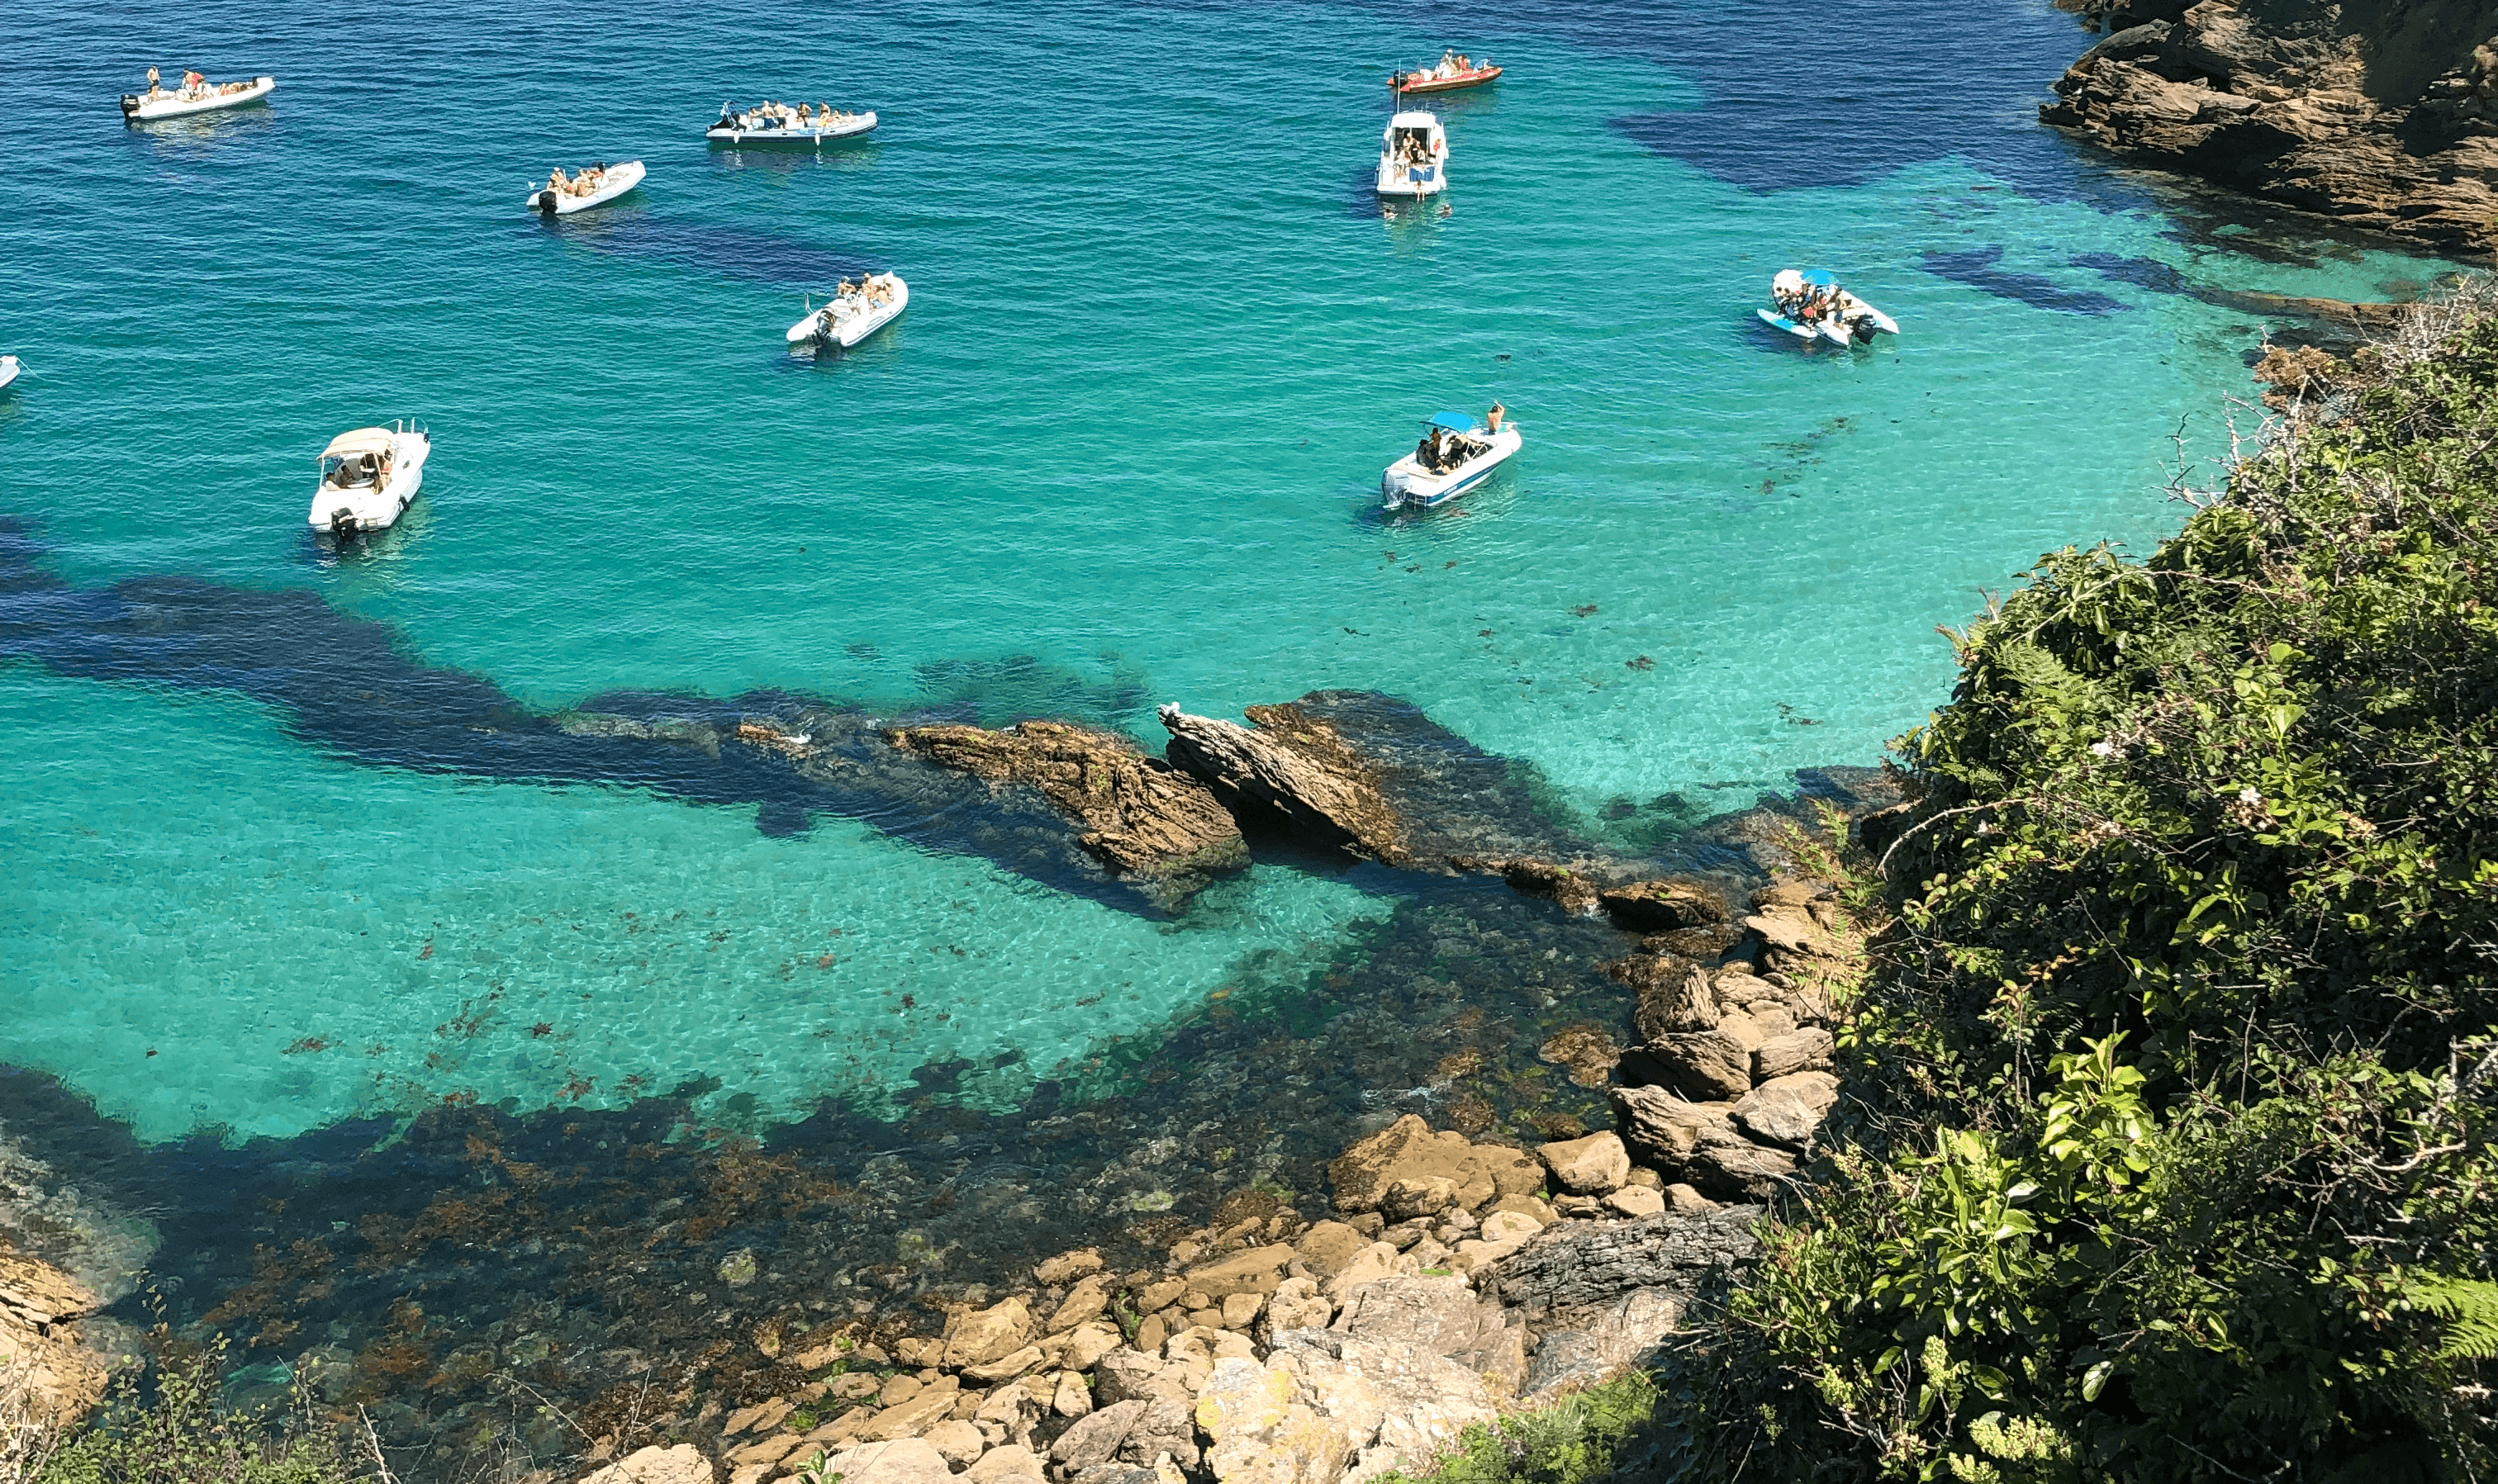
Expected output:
(733, 252)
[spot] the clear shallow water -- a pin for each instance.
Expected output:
(1122, 450)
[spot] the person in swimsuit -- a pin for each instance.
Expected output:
(153, 91)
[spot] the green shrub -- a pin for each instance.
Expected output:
(1581, 1437)
(177, 1435)
(2175, 1065)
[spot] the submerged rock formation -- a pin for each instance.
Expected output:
(1140, 815)
(2383, 117)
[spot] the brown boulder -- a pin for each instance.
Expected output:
(1589, 1166)
(1664, 1129)
(1674, 995)
(1294, 770)
(974, 1337)
(1327, 1245)
(1808, 1050)
(39, 1303)
(1703, 1065)
(1786, 1110)
(1662, 906)
(1729, 1161)
(1408, 1150)
(1554, 883)
(1140, 814)
(1256, 1271)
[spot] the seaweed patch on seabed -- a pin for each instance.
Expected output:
(1976, 268)
(480, 1271)
(340, 684)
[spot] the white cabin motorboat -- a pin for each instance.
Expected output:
(1813, 306)
(9, 370)
(1414, 155)
(200, 97)
(787, 126)
(367, 477)
(608, 181)
(1456, 455)
(850, 318)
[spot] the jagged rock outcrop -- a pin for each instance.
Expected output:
(1140, 815)
(1606, 1295)
(2385, 117)
(1292, 769)
(39, 1347)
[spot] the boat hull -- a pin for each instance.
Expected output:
(10, 366)
(138, 109)
(842, 334)
(1411, 82)
(620, 178)
(1411, 182)
(1780, 321)
(722, 135)
(346, 514)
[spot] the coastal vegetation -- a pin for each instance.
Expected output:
(2172, 1072)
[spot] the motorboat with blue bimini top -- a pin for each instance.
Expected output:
(854, 312)
(1413, 155)
(779, 123)
(367, 477)
(196, 95)
(1456, 456)
(595, 186)
(1813, 306)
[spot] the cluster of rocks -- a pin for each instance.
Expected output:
(2383, 117)
(1732, 1076)
(1272, 1350)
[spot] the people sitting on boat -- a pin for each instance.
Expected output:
(557, 182)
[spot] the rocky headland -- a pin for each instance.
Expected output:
(2379, 116)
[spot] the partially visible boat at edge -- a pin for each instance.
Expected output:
(367, 477)
(10, 366)
(1465, 453)
(206, 98)
(614, 182)
(846, 321)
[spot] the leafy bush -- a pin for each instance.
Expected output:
(1581, 1437)
(179, 1436)
(2177, 1060)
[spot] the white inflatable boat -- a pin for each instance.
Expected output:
(1813, 306)
(614, 181)
(9, 370)
(1456, 456)
(756, 127)
(199, 98)
(367, 477)
(852, 317)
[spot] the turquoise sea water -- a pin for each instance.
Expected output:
(1123, 448)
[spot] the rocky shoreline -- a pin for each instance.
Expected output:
(2382, 117)
(1448, 1278)
(1522, 1080)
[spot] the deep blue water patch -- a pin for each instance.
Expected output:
(1976, 268)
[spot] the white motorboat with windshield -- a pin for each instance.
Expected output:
(778, 123)
(1414, 155)
(853, 313)
(196, 95)
(9, 370)
(1456, 456)
(595, 186)
(367, 477)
